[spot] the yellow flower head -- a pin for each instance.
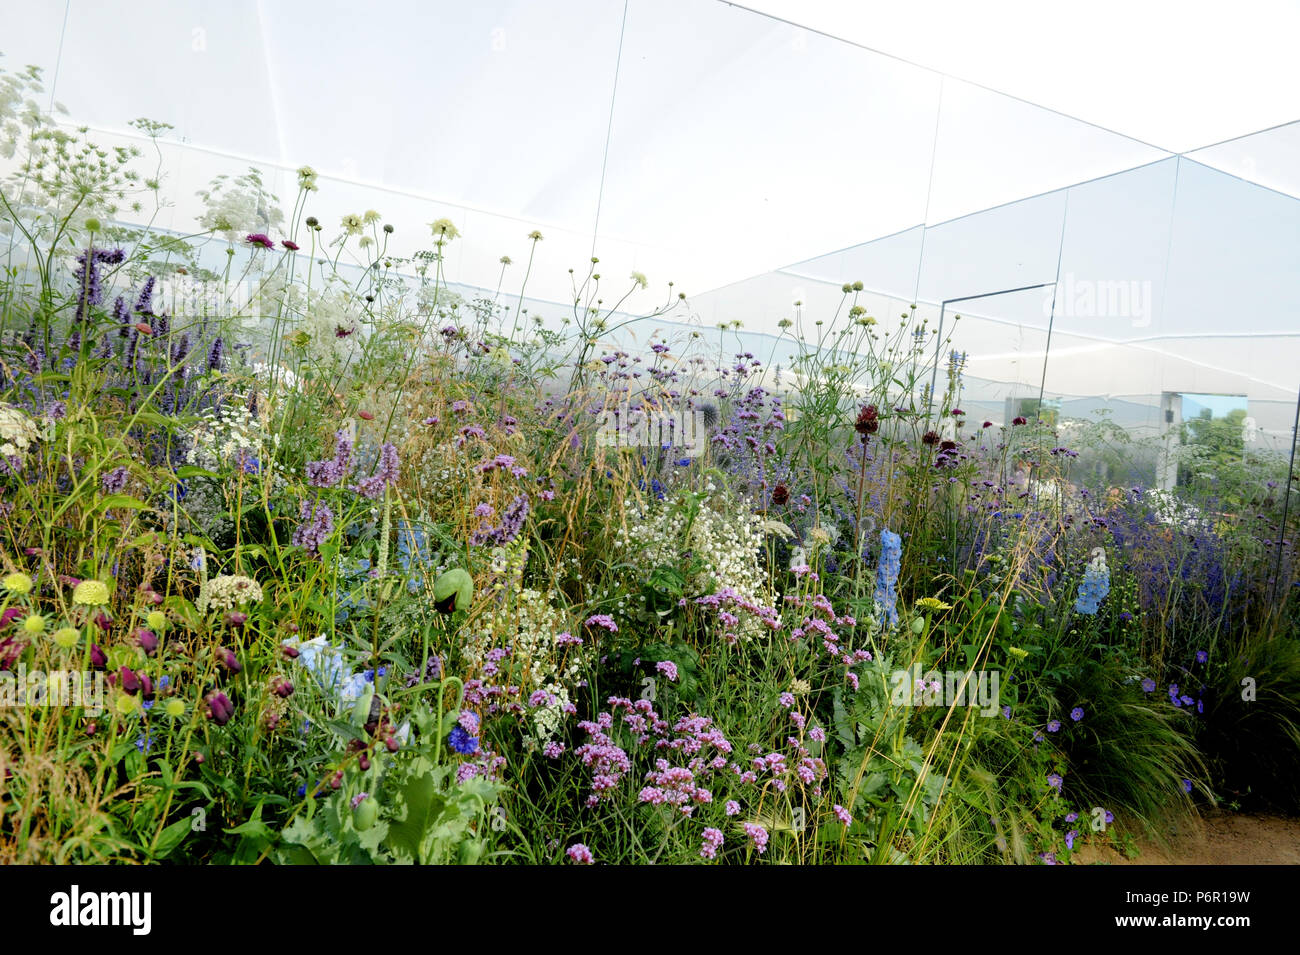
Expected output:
(174, 708)
(1017, 652)
(156, 619)
(127, 704)
(444, 229)
(352, 224)
(34, 623)
(18, 583)
(66, 637)
(91, 593)
(933, 603)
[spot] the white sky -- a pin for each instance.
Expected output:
(738, 144)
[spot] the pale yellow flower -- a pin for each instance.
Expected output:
(90, 593)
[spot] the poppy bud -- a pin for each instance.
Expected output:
(220, 709)
(129, 680)
(365, 813)
(98, 658)
(453, 590)
(236, 618)
(780, 494)
(290, 653)
(147, 640)
(228, 660)
(282, 687)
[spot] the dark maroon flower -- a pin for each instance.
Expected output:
(948, 446)
(988, 424)
(220, 709)
(146, 686)
(1019, 419)
(10, 615)
(282, 687)
(147, 641)
(98, 658)
(930, 438)
(868, 422)
(290, 653)
(957, 412)
(289, 244)
(228, 660)
(780, 494)
(236, 618)
(341, 332)
(257, 238)
(129, 680)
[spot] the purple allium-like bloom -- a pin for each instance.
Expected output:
(1076, 714)
(757, 836)
(668, 669)
(602, 620)
(580, 854)
(843, 815)
(732, 807)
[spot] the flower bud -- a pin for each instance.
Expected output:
(129, 680)
(236, 618)
(98, 658)
(453, 590)
(365, 813)
(228, 660)
(147, 640)
(290, 653)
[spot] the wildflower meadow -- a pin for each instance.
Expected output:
(312, 555)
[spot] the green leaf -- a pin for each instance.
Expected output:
(173, 836)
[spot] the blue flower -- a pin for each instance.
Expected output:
(891, 557)
(1201, 656)
(460, 741)
(1148, 685)
(1076, 714)
(1092, 589)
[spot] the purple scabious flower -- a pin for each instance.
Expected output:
(257, 238)
(461, 742)
(1054, 780)
(317, 523)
